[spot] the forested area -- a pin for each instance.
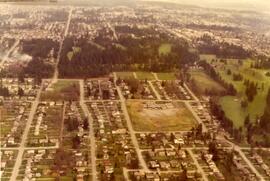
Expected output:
(40, 50)
(222, 49)
(39, 47)
(98, 57)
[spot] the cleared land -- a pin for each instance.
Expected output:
(63, 90)
(207, 57)
(145, 75)
(74, 51)
(204, 82)
(164, 48)
(166, 76)
(178, 118)
(125, 75)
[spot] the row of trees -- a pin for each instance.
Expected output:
(251, 90)
(5, 92)
(265, 119)
(230, 90)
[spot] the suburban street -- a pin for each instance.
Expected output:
(22, 147)
(9, 52)
(91, 132)
(56, 72)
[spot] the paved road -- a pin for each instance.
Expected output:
(135, 75)
(191, 93)
(62, 124)
(251, 166)
(155, 75)
(113, 30)
(56, 73)
(33, 148)
(204, 176)
(154, 90)
(21, 149)
(131, 130)
(9, 52)
(91, 132)
(195, 116)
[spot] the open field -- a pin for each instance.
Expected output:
(160, 116)
(145, 75)
(207, 57)
(166, 76)
(232, 104)
(62, 90)
(124, 75)
(73, 52)
(164, 48)
(204, 82)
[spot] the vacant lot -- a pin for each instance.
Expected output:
(166, 76)
(177, 118)
(164, 48)
(125, 75)
(204, 82)
(207, 57)
(145, 75)
(63, 90)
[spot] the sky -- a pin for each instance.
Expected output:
(263, 5)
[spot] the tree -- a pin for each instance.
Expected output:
(20, 92)
(72, 123)
(85, 124)
(247, 120)
(265, 119)
(4, 92)
(21, 77)
(76, 141)
(63, 161)
(212, 148)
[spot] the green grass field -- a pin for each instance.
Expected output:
(164, 49)
(232, 104)
(145, 75)
(203, 82)
(207, 57)
(178, 118)
(124, 75)
(166, 76)
(74, 51)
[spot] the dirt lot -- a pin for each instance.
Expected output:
(160, 118)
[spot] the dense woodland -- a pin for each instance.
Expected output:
(221, 49)
(98, 57)
(40, 50)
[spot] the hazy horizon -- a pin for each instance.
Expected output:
(231, 4)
